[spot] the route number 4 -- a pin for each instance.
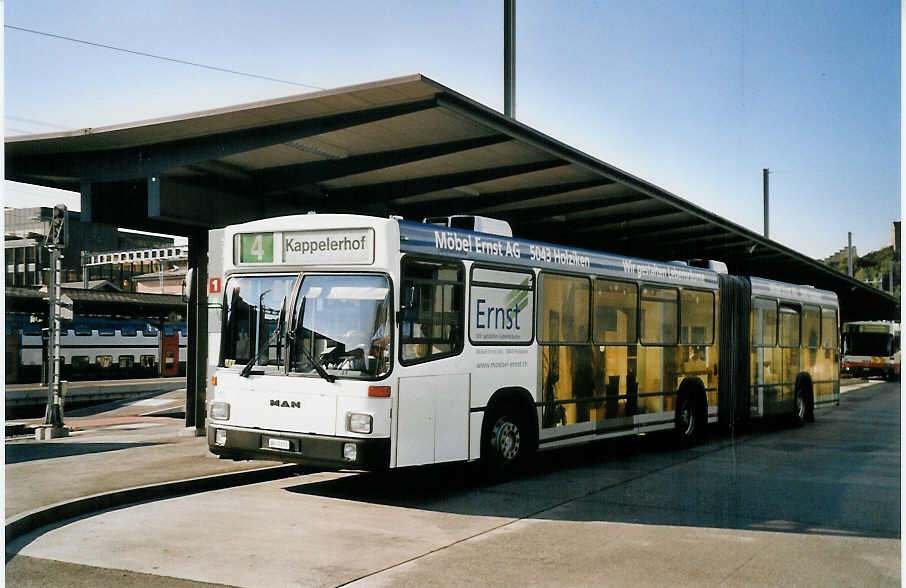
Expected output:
(256, 248)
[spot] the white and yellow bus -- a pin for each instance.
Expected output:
(360, 342)
(872, 349)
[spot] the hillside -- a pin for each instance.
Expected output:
(874, 268)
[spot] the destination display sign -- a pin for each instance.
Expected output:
(434, 240)
(315, 247)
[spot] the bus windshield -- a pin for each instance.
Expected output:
(342, 323)
(858, 342)
(251, 313)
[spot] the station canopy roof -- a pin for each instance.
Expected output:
(406, 146)
(97, 302)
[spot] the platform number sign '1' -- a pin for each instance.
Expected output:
(256, 248)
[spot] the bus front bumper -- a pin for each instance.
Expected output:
(314, 450)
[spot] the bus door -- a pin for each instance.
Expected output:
(169, 352)
(432, 409)
(789, 342)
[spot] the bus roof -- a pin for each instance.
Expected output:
(792, 292)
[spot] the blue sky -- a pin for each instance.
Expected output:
(694, 96)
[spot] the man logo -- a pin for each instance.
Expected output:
(285, 404)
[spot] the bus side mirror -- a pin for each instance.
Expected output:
(187, 284)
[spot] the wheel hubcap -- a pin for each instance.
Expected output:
(687, 420)
(506, 439)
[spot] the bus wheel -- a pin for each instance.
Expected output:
(689, 423)
(504, 446)
(804, 406)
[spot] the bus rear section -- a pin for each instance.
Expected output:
(794, 355)
(305, 345)
(871, 349)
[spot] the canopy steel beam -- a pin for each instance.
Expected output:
(483, 203)
(542, 213)
(623, 223)
(347, 198)
(600, 208)
(704, 238)
(676, 228)
(154, 159)
(285, 177)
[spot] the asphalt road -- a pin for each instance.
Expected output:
(771, 505)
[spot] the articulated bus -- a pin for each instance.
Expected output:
(872, 348)
(369, 343)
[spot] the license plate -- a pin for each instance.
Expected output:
(278, 444)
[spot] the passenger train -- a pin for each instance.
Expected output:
(97, 349)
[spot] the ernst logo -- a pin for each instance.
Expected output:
(285, 404)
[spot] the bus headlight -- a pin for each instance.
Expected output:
(350, 451)
(220, 411)
(358, 423)
(220, 437)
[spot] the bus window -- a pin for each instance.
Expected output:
(616, 311)
(811, 327)
(251, 313)
(789, 326)
(433, 310)
(564, 309)
(125, 361)
(79, 361)
(104, 361)
(697, 320)
(659, 316)
(147, 361)
(764, 322)
(828, 328)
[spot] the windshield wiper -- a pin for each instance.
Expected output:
(314, 362)
(265, 349)
(262, 351)
(318, 367)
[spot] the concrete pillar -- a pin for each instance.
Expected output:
(197, 349)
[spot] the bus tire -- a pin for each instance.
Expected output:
(804, 409)
(505, 443)
(690, 419)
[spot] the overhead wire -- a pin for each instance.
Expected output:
(41, 123)
(161, 57)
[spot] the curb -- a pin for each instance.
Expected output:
(35, 519)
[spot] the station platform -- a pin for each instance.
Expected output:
(26, 398)
(122, 453)
(115, 454)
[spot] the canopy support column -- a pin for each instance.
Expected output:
(197, 350)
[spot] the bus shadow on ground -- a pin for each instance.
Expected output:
(757, 479)
(24, 452)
